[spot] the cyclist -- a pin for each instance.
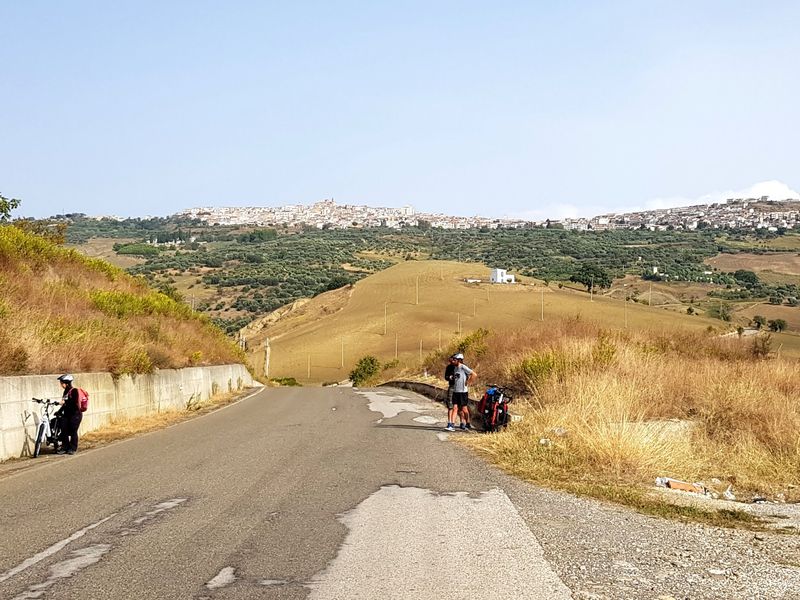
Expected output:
(463, 376)
(70, 415)
(449, 377)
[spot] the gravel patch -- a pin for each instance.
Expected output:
(603, 551)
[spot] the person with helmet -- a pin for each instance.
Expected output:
(463, 376)
(70, 415)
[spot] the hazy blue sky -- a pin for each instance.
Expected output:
(497, 108)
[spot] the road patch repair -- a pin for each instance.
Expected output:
(412, 543)
(82, 558)
(389, 405)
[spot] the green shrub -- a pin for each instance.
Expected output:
(539, 366)
(366, 368)
(123, 304)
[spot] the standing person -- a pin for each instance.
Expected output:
(463, 376)
(70, 414)
(449, 372)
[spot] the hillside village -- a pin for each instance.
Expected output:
(741, 213)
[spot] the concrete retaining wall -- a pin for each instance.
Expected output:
(109, 398)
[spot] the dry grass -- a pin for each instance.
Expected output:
(783, 262)
(640, 405)
(127, 428)
(61, 311)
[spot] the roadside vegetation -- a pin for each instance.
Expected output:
(61, 311)
(606, 412)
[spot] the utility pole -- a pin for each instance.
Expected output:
(266, 358)
(417, 302)
(395, 345)
(650, 295)
(420, 350)
(308, 370)
(343, 353)
(626, 310)
(385, 317)
(541, 318)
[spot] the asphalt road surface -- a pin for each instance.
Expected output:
(291, 493)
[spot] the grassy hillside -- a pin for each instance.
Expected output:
(61, 311)
(353, 318)
(616, 409)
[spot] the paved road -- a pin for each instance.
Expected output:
(292, 493)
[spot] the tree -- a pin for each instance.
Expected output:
(724, 311)
(777, 325)
(6, 206)
(592, 275)
(748, 278)
(759, 321)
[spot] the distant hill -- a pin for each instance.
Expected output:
(339, 327)
(61, 311)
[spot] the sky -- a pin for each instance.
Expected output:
(502, 108)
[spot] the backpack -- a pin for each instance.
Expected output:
(83, 400)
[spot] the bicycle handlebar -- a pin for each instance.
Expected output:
(46, 401)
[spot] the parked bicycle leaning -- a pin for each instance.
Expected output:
(49, 428)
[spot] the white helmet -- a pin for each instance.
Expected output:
(66, 378)
(459, 356)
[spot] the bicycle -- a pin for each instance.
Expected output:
(49, 429)
(493, 408)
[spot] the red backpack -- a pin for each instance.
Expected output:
(83, 400)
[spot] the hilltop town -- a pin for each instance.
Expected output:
(740, 213)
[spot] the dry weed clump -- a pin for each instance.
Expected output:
(61, 311)
(616, 407)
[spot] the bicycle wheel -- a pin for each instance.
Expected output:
(39, 440)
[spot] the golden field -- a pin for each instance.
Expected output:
(322, 340)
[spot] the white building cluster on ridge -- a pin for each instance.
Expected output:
(747, 213)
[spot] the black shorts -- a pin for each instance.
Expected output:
(461, 399)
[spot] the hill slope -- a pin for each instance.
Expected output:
(332, 331)
(61, 311)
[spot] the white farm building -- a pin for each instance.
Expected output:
(501, 276)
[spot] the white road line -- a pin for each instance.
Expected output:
(225, 577)
(159, 508)
(37, 558)
(415, 544)
(85, 557)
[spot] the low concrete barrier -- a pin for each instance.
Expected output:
(109, 398)
(438, 394)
